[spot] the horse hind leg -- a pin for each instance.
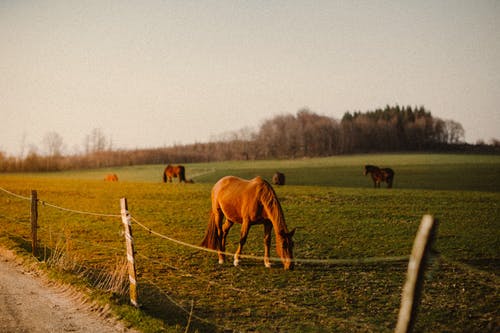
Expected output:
(218, 217)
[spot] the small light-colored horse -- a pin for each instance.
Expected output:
(247, 202)
(111, 177)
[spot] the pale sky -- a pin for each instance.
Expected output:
(155, 73)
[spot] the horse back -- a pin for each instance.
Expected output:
(239, 198)
(388, 172)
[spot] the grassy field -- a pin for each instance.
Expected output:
(338, 215)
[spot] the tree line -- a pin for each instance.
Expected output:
(305, 134)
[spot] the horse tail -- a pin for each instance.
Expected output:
(165, 176)
(182, 174)
(391, 178)
(211, 239)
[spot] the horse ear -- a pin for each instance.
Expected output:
(291, 233)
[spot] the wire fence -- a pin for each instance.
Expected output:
(188, 310)
(328, 261)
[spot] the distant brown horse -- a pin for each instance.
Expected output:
(380, 175)
(247, 202)
(174, 171)
(111, 177)
(278, 178)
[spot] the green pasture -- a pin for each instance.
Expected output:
(338, 215)
(413, 171)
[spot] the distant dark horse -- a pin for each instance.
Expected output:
(380, 175)
(278, 178)
(174, 171)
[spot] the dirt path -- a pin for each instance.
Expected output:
(29, 303)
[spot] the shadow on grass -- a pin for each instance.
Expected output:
(157, 305)
(23, 244)
(491, 265)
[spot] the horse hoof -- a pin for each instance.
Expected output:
(236, 263)
(221, 261)
(268, 265)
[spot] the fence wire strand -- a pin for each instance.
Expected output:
(14, 194)
(81, 212)
(48, 204)
(351, 261)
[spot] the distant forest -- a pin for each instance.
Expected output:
(305, 134)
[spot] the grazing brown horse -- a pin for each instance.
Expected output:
(247, 202)
(278, 178)
(380, 175)
(174, 171)
(111, 177)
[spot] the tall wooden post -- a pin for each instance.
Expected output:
(412, 289)
(129, 241)
(34, 223)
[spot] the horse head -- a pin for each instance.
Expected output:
(285, 251)
(370, 168)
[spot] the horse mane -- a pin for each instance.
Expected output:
(371, 167)
(271, 205)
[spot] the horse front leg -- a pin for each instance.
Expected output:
(268, 227)
(245, 227)
(225, 230)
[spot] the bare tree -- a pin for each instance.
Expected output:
(95, 141)
(53, 143)
(23, 145)
(455, 131)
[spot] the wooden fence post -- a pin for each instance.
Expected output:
(412, 289)
(34, 223)
(129, 241)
